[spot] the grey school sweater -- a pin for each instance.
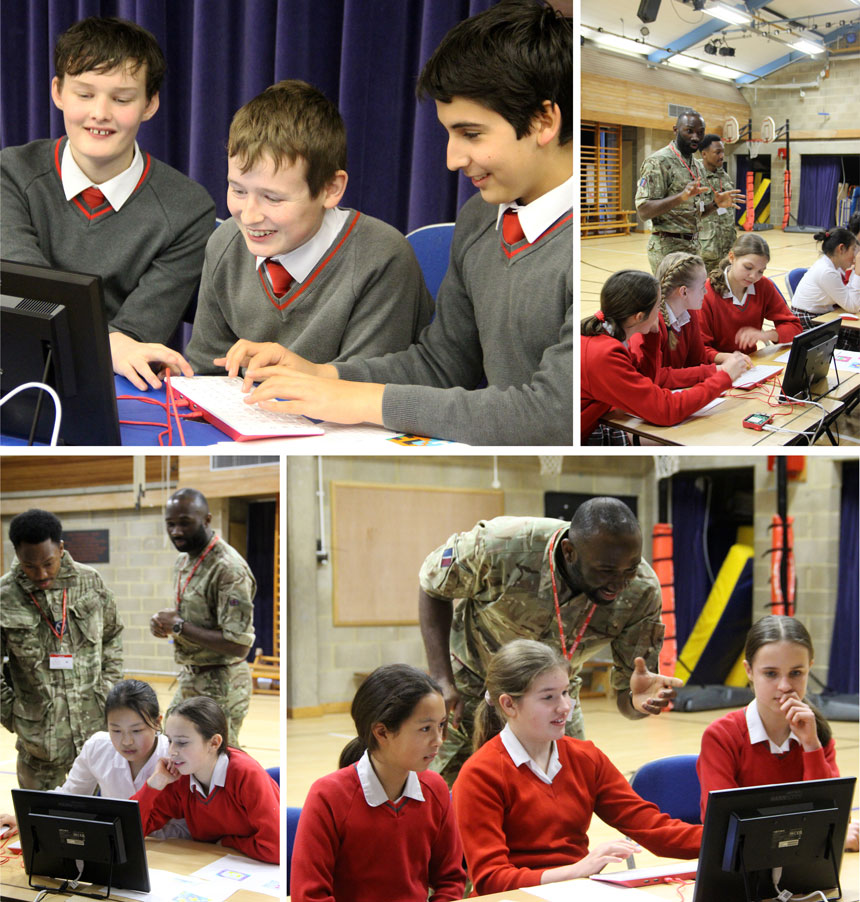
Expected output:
(366, 296)
(149, 253)
(506, 312)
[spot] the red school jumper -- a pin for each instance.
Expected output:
(348, 851)
(242, 814)
(728, 759)
(679, 367)
(721, 318)
(514, 826)
(609, 378)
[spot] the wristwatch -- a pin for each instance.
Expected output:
(177, 627)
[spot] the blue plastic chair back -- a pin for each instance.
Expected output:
(432, 246)
(292, 823)
(792, 280)
(672, 784)
(275, 774)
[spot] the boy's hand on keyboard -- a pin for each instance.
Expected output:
(317, 397)
(143, 362)
(253, 355)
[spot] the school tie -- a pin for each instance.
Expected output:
(280, 278)
(93, 197)
(512, 231)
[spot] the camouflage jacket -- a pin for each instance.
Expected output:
(714, 224)
(664, 174)
(500, 573)
(220, 596)
(55, 711)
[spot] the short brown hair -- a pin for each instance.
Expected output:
(103, 44)
(289, 120)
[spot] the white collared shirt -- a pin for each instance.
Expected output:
(117, 190)
(536, 217)
(520, 756)
(677, 322)
(821, 287)
(300, 261)
(374, 794)
(728, 293)
(759, 734)
(219, 777)
(100, 764)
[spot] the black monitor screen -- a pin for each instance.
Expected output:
(89, 838)
(796, 827)
(809, 361)
(45, 310)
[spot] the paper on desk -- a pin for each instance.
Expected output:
(244, 873)
(170, 887)
(587, 891)
(365, 435)
(701, 412)
(848, 359)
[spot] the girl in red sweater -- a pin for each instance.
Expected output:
(739, 297)
(224, 795)
(779, 737)
(525, 798)
(382, 826)
(629, 304)
(674, 356)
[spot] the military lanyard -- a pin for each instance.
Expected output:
(692, 174)
(52, 623)
(179, 593)
(551, 556)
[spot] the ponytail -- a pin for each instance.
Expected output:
(832, 238)
(623, 295)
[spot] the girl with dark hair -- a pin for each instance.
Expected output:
(223, 794)
(739, 298)
(823, 285)
(382, 826)
(779, 737)
(630, 304)
(525, 798)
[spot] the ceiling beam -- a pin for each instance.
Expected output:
(793, 56)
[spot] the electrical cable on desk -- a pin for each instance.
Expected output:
(679, 885)
(170, 406)
(819, 429)
(58, 407)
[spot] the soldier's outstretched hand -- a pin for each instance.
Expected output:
(651, 692)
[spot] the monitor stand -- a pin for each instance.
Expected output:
(70, 886)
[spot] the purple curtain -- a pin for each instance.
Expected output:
(365, 55)
(819, 185)
(260, 555)
(844, 670)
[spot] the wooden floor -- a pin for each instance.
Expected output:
(259, 738)
(313, 746)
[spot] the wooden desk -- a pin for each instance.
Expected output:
(723, 425)
(849, 877)
(849, 320)
(181, 856)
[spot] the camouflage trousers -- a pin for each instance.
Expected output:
(659, 245)
(36, 773)
(458, 740)
(229, 685)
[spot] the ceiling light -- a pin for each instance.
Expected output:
(683, 62)
(710, 48)
(727, 51)
(807, 43)
(719, 71)
(728, 14)
(615, 42)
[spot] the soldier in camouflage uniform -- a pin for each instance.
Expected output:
(673, 193)
(211, 623)
(60, 629)
(717, 234)
(502, 574)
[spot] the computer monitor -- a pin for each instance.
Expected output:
(809, 361)
(86, 838)
(798, 827)
(53, 328)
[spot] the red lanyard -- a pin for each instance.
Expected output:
(692, 174)
(50, 623)
(579, 635)
(179, 593)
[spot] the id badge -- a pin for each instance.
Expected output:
(61, 662)
(701, 206)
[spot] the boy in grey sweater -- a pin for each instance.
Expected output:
(503, 86)
(93, 202)
(291, 266)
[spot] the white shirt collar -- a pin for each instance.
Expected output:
(219, 777)
(520, 756)
(300, 261)
(539, 215)
(677, 322)
(728, 292)
(117, 190)
(758, 733)
(374, 794)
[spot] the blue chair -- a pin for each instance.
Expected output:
(432, 246)
(292, 822)
(275, 774)
(792, 280)
(672, 784)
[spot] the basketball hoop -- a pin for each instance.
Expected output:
(768, 130)
(550, 464)
(731, 130)
(753, 147)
